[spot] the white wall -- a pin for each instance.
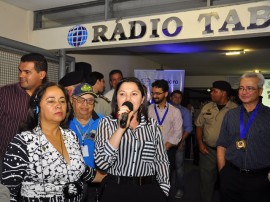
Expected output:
(202, 81)
(194, 24)
(105, 63)
(15, 23)
(127, 64)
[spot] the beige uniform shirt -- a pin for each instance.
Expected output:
(103, 105)
(210, 119)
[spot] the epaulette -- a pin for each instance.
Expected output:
(104, 98)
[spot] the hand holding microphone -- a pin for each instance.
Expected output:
(124, 116)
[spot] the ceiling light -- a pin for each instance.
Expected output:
(238, 52)
(257, 71)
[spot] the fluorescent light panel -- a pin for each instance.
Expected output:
(235, 52)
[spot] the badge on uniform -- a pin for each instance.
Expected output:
(241, 144)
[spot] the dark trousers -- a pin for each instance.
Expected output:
(236, 186)
(191, 145)
(171, 156)
(91, 192)
(131, 192)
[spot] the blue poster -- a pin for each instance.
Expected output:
(175, 78)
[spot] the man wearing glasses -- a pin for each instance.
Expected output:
(85, 122)
(243, 151)
(169, 119)
(208, 126)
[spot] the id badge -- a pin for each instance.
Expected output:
(85, 150)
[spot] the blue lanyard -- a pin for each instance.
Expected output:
(78, 127)
(163, 118)
(243, 129)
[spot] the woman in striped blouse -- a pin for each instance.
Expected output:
(129, 147)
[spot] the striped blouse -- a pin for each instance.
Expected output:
(140, 153)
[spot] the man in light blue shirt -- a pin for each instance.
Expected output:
(84, 124)
(176, 98)
(85, 120)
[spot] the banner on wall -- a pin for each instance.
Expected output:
(175, 78)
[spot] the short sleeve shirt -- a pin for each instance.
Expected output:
(210, 119)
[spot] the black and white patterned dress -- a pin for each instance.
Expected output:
(36, 171)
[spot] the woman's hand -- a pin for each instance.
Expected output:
(124, 111)
(99, 176)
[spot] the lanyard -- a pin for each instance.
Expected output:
(164, 116)
(78, 127)
(243, 129)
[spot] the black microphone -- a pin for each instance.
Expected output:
(124, 116)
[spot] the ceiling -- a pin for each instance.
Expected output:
(34, 5)
(196, 58)
(202, 58)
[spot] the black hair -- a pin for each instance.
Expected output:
(115, 71)
(163, 84)
(176, 91)
(32, 119)
(39, 60)
(143, 110)
(93, 77)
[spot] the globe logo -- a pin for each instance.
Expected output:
(77, 36)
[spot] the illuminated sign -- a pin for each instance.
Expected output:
(172, 26)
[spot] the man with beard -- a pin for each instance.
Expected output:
(208, 126)
(14, 98)
(169, 119)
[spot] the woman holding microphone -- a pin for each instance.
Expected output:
(129, 147)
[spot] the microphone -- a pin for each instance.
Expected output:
(124, 116)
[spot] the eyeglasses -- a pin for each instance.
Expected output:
(248, 89)
(82, 100)
(156, 93)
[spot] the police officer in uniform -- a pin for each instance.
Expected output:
(208, 125)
